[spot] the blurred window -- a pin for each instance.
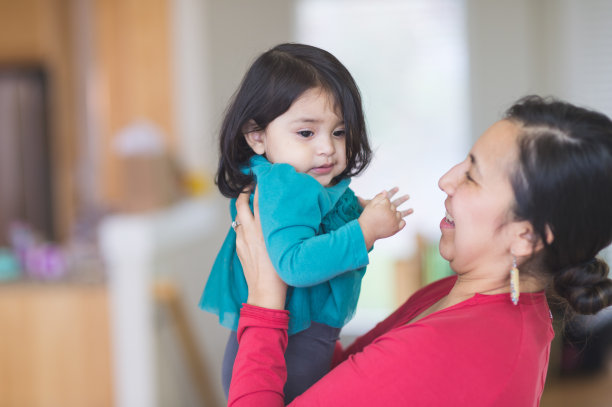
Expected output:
(410, 60)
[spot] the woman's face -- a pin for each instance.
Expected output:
(479, 198)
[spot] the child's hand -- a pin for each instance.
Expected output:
(380, 217)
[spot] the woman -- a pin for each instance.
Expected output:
(535, 195)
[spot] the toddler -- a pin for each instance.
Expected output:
(296, 129)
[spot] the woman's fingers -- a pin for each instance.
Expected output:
(256, 204)
(266, 289)
(243, 211)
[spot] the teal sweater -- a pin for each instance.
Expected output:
(314, 241)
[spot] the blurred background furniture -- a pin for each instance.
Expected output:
(54, 345)
(165, 350)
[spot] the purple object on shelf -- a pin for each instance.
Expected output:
(45, 261)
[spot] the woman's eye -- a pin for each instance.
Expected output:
(305, 133)
(468, 177)
(340, 133)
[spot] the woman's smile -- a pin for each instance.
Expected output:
(447, 222)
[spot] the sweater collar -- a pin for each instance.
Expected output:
(334, 192)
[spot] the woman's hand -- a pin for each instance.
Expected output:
(266, 289)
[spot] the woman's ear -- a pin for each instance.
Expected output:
(254, 136)
(525, 241)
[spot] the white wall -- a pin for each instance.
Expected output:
(214, 43)
(503, 57)
(550, 47)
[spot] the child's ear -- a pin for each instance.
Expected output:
(254, 137)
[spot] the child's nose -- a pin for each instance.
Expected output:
(326, 145)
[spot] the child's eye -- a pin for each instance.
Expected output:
(468, 177)
(340, 133)
(305, 133)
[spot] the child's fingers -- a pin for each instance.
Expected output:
(380, 197)
(402, 224)
(392, 192)
(401, 200)
(406, 212)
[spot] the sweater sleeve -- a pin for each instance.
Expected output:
(292, 206)
(260, 373)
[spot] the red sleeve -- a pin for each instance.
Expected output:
(260, 373)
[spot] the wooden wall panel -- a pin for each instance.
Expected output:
(131, 67)
(39, 32)
(20, 26)
(133, 60)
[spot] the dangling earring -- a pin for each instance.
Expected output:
(514, 282)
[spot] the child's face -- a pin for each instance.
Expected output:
(310, 136)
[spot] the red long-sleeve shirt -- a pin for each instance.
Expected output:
(481, 352)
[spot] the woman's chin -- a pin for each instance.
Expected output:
(446, 252)
(447, 258)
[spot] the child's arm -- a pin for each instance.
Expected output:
(290, 210)
(291, 216)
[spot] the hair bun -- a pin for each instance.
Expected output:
(586, 287)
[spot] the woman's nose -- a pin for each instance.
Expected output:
(448, 181)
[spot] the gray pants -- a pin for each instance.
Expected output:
(308, 357)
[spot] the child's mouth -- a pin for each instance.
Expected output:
(324, 169)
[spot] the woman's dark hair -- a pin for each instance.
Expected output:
(563, 185)
(275, 80)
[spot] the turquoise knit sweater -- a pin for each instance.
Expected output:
(314, 241)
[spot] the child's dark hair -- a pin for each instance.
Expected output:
(269, 88)
(563, 184)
